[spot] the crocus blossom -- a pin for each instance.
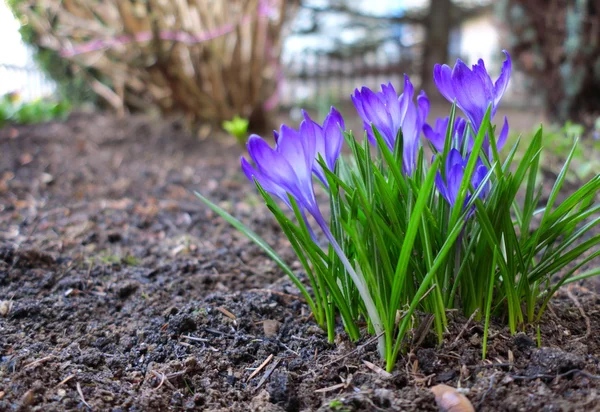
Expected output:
(437, 134)
(288, 168)
(328, 139)
(473, 90)
(455, 170)
(389, 114)
(285, 169)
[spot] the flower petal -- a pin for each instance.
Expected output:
(442, 79)
(332, 131)
(454, 177)
(454, 158)
(424, 106)
(411, 130)
(441, 186)
(470, 93)
(436, 139)
(502, 82)
(503, 135)
(273, 165)
(318, 134)
(391, 103)
(377, 114)
(291, 148)
(251, 173)
(406, 97)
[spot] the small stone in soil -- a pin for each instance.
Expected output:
(271, 327)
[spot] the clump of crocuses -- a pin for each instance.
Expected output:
(424, 216)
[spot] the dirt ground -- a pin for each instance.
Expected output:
(119, 291)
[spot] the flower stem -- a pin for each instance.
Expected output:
(360, 283)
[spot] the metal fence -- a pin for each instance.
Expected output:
(310, 79)
(28, 81)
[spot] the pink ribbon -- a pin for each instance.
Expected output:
(264, 9)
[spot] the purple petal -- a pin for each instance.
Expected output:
(410, 134)
(272, 164)
(454, 158)
(470, 93)
(441, 186)
(316, 131)
(459, 132)
(358, 104)
(332, 131)
(391, 102)
(436, 139)
(442, 79)
(251, 173)
(290, 146)
(357, 100)
(478, 176)
(488, 87)
(454, 177)
(502, 82)
(376, 113)
(406, 97)
(503, 135)
(424, 106)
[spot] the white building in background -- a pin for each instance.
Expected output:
(18, 72)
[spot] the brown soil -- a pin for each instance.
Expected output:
(120, 291)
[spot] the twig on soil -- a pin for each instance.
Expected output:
(588, 323)
(262, 365)
(299, 338)
(422, 330)
(492, 365)
(288, 348)
(195, 338)
(36, 362)
(489, 389)
(274, 292)
(355, 350)
(384, 374)
(331, 388)
(227, 313)
(163, 378)
(65, 380)
(81, 395)
(464, 328)
(268, 373)
(218, 332)
(560, 375)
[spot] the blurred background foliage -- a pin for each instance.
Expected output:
(14, 110)
(207, 60)
(215, 61)
(71, 81)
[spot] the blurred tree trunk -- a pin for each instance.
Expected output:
(557, 44)
(438, 25)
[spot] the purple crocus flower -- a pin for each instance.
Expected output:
(390, 114)
(437, 134)
(473, 91)
(328, 139)
(288, 169)
(285, 169)
(455, 170)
